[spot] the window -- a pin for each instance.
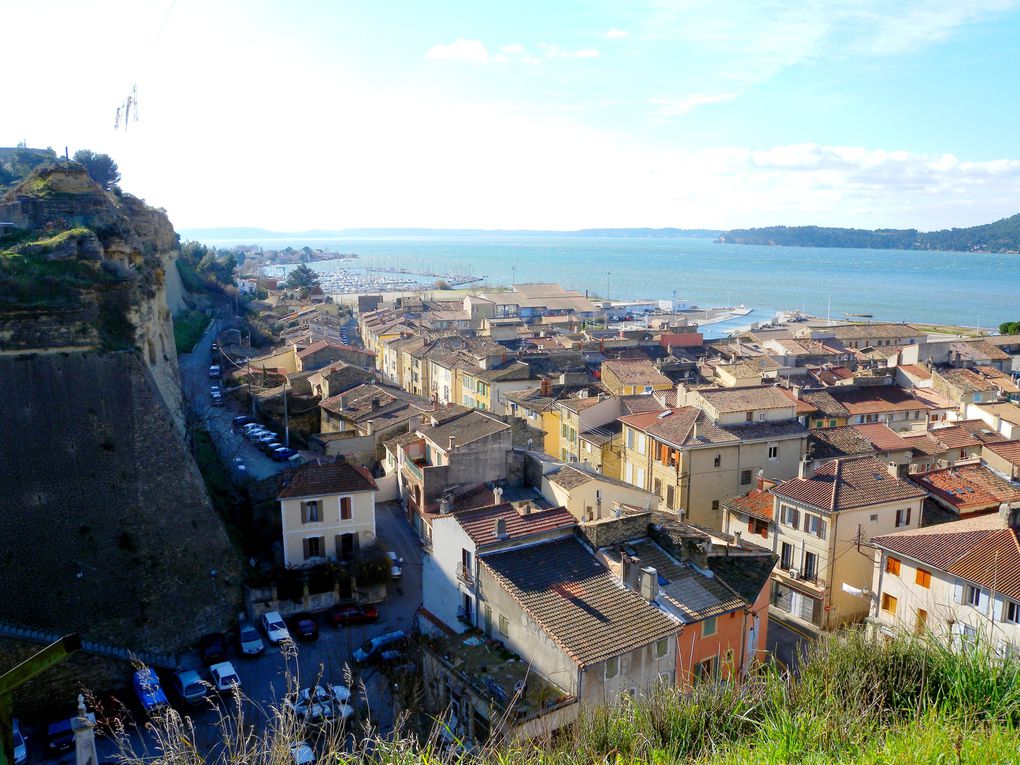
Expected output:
(889, 604)
(758, 526)
(715, 504)
(630, 438)
(705, 669)
(670, 497)
(922, 621)
(923, 578)
(612, 667)
(786, 556)
(708, 627)
(661, 648)
(718, 460)
(773, 451)
(761, 416)
(314, 547)
(310, 512)
(810, 566)
(345, 508)
(971, 595)
(657, 490)
(750, 417)
(789, 516)
(1011, 612)
(873, 518)
(892, 566)
(641, 443)
(745, 477)
(814, 524)
(903, 517)
(504, 625)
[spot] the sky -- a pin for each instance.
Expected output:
(303, 114)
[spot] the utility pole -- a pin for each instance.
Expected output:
(21, 674)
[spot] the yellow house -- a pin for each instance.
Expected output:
(327, 512)
(626, 377)
(602, 448)
(486, 389)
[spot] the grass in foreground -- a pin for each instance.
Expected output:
(912, 700)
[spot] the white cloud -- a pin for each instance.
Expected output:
(514, 48)
(555, 51)
(666, 107)
(460, 50)
(616, 34)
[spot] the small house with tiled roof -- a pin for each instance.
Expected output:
(965, 490)
(1003, 457)
(820, 520)
(326, 511)
(959, 580)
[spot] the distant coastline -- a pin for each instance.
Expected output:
(248, 232)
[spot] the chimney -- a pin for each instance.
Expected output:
(444, 504)
(804, 469)
(736, 536)
(761, 480)
(525, 509)
(696, 430)
(630, 571)
(499, 528)
(497, 494)
(453, 440)
(375, 403)
(1010, 515)
(617, 510)
(649, 583)
(370, 428)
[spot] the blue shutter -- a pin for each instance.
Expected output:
(983, 601)
(958, 591)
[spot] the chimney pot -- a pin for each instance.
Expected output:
(649, 583)
(452, 440)
(499, 529)
(497, 495)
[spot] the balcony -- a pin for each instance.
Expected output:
(464, 575)
(414, 469)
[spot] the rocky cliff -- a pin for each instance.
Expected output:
(105, 524)
(85, 269)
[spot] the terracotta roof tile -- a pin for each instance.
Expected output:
(636, 372)
(756, 503)
(577, 601)
(875, 399)
(882, 437)
(1008, 450)
(968, 488)
(844, 441)
(323, 480)
(480, 523)
(847, 483)
(742, 399)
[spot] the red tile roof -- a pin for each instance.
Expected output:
(324, 480)
(756, 503)
(916, 371)
(480, 524)
(875, 399)
(577, 602)
(847, 483)
(1008, 450)
(635, 372)
(955, 437)
(968, 488)
(803, 407)
(980, 550)
(882, 437)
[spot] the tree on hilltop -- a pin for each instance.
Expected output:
(101, 168)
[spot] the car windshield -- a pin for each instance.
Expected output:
(367, 647)
(193, 689)
(277, 626)
(18, 740)
(249, 635)
(229, 680)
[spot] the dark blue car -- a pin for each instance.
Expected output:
(150, 695)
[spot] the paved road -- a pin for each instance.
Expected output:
(195, 381)
(786, 642)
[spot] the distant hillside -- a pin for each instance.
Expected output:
(1001, 236)
(248, 233)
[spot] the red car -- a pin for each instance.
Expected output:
(343, 616)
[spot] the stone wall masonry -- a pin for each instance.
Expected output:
(614, 531)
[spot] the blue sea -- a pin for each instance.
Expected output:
(972, 289)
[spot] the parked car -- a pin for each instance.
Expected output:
(372, 651)
(283, 454)
(343, 616)
(241, 420)
(396, 565)
(249, 639)
(269, 446)
(214, 370)
(216, 399)
(148, 691)
(239, 465)
(60, 736)
(304, 627)
(224, 677)
(189, 686)
(215, 390)
(339, 694)
(213, 648)
(248, 426)
(20, 744)
(254, 433)
(267, 437)
(273, 626)
(308, 709)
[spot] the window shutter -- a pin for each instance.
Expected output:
(999, 609)
(821, 527)
(322, 546)
(958, 592)
(983, 601)
(305, 545)
(338, 548)
(750, 526)
(356, 540)
(907, 521)
(304, 514)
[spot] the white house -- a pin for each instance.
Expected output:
(327, 511)
(959, 579)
